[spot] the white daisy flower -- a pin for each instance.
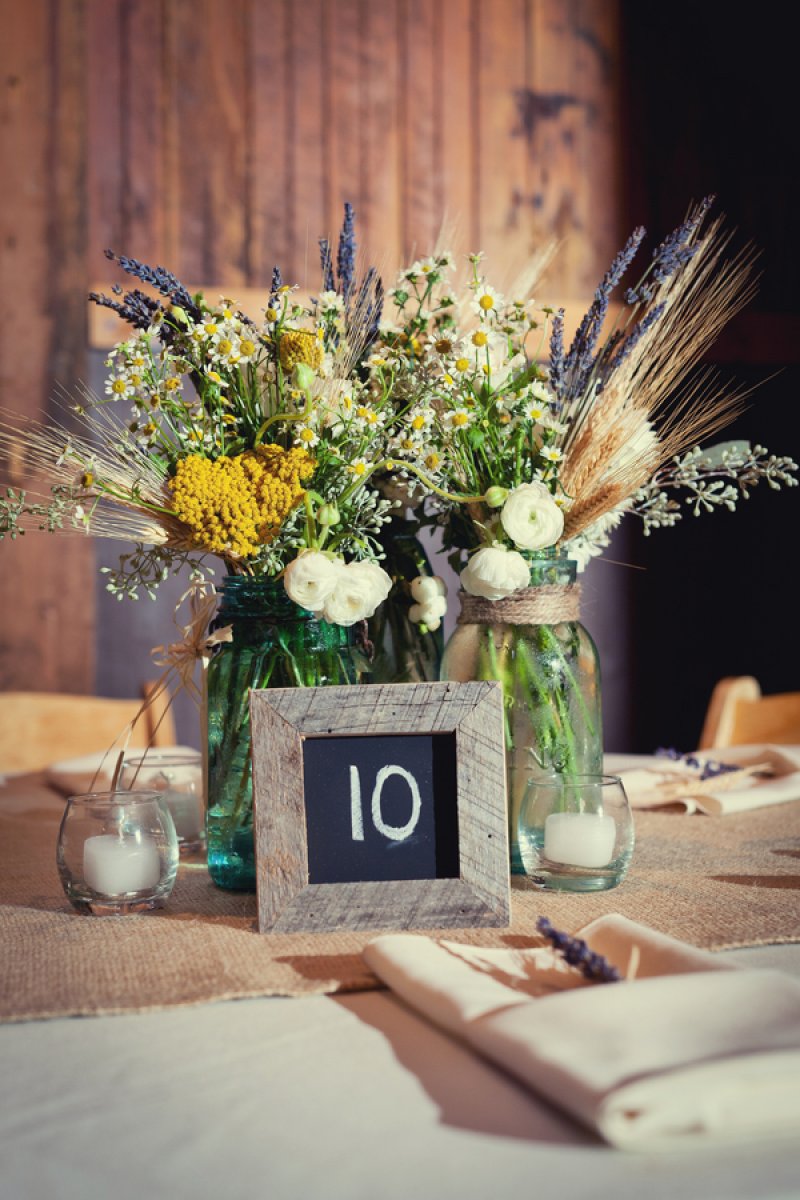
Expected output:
(487, 300)
(548, 421)
(535, 410)
(120, 387)
(459, 418)
(331, 302)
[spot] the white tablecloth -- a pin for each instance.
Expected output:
(336, 1098)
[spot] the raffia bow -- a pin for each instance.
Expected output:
(181, 657)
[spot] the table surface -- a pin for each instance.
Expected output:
(347, 1097)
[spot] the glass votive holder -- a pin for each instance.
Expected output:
(576, 832)
(178, 778)
(117, 852)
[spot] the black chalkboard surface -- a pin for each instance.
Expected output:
(381, 807)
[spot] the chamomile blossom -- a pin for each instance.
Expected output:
(487, 301)
(330, 303)
(306, 437)
(459, 418)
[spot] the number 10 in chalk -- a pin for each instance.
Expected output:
(397, 833)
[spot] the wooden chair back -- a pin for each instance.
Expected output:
(739, 715)
(40, 728)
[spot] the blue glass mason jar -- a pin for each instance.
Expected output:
(275, 644)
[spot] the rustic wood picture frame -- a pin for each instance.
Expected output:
(281, 718)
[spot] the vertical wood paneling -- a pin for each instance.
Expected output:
(505, 231)
(143, 136)
(305, 159)
(420, 219)
(343, 107)
(380, 198)
(457, 193)
(222, 138)
(106, 116)
(568, 116)
(206, 53)
(46, 584)
(268, 184)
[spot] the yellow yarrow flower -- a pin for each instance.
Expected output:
(235, 505)
(299, 346)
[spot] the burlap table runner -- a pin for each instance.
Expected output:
(716, 882)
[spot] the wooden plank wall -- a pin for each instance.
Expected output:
(220, 137)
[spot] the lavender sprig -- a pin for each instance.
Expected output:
(132, 315)
(326, 262)
(575, 951)
(346, 256)
(579, 362)
(636, 335)
(557, 353)
(679, 246)
(708, 767)
(275, 286)
(159, 278)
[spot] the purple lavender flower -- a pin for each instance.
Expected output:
(159, 278)
(557, 352)
(708, 767)
(679, 247)
(346, 255)
(580, 361)
(326, 262)
(275, 286)
(635, 336)
(575, 951)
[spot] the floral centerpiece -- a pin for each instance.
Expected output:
(529, 453)
(249, 445)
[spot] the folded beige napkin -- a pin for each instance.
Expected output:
(767, 775)
(691, 1050)
(93, 772)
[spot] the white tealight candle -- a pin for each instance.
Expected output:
(580, 839)
(113, 866)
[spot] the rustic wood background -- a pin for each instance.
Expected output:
(220, 137)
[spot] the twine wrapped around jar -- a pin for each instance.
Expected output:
(548, 604)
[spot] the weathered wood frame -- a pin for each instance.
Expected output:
(281, 718)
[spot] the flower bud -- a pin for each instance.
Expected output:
(328, 514)
(302, 376)
(496, 496)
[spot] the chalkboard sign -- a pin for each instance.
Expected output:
(380, 806)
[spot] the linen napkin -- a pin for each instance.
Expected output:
(93, 772)
(692, 1050)
(767, 775)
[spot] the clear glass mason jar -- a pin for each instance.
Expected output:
(551, 687)
(275, 644)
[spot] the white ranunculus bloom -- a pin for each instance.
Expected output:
(531, 517)
(358, 590)
(310, 578)
(495, 572)
(426, 587)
